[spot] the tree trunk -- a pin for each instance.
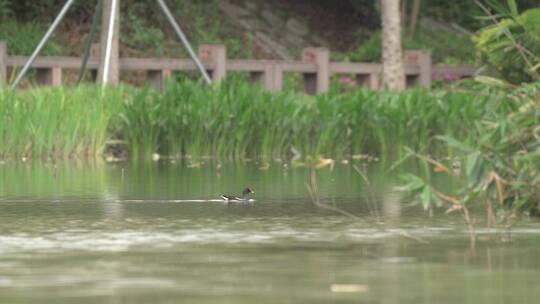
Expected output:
(414, 17)
(403, 13)
(392, 61)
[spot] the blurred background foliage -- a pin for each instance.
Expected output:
(511, 47)
(352, 28)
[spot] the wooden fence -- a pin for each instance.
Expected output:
(315, 66)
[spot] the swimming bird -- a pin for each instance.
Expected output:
(246, 196)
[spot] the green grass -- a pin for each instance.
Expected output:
(490, 132)
(22, 38)
(56, 122)
(235, 121)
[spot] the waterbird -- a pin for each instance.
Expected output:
(246, 196)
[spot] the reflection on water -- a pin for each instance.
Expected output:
(155, 232)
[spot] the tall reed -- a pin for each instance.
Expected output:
(235, 120)
(56, 122)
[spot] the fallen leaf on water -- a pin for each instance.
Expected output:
(194, 165)
(453, 208)
(440, 169)
(323, 162)
(361, 288)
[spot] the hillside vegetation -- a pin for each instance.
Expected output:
(351, 28)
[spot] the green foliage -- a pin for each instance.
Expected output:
(512, 47)
(464, 13)
(234, 120)
(5, 9)
(141, 35)
(204, 23)
(22, 38)
(445, 47)
(146, 31)
(497, 161)
(55, 122)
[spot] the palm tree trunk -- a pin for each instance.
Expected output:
(392, 61)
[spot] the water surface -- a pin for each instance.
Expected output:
(124, 233)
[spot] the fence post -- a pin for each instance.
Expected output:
(422, 59)
(56, 76)
(156, 78)
(319, 82)
(3, 64)
(95, 53)
(216, 56)
(265, 77)
(49, 76)
(277, 77)
(370, 80)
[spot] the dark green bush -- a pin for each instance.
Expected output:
(22, 38)
(445, 47)
(496, 164)
(499, 47)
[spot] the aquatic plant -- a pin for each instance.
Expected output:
(496, 165)
(236, 120)
(56, 122)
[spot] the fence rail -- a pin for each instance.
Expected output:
(315, 66)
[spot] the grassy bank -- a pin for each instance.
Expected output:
(485, 138)
(235, 121)
(56, 122)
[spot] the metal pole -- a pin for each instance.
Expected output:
(42, 43)
(109, 44)
(93, 29)
(184, 40)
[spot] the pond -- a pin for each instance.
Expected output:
(153, 232)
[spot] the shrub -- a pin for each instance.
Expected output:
(511, 47)
(445, 47)
(22, 38)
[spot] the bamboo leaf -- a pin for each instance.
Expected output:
(414, 183)
(425, 197)
(513, 8)
(450, 141)
(471, 163)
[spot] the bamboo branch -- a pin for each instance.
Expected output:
(507, 33)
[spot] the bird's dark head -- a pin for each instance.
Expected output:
(248, 191)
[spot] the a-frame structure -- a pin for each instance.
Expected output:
(109, 55)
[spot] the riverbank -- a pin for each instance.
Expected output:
(483, 137)
(234, 121)
(488, 132)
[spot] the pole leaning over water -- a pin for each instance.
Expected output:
(184, 40)
(42, 43)
(87, 49)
